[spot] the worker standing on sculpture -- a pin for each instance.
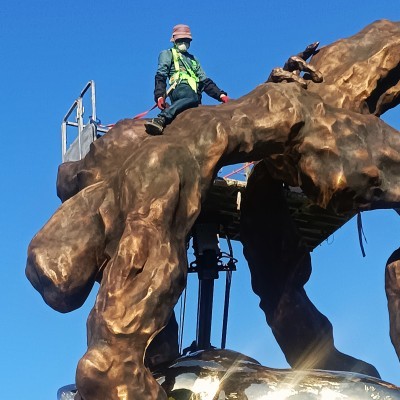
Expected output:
(186, 79)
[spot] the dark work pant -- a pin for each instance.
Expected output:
(182, 98)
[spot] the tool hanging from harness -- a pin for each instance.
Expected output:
(183, 74)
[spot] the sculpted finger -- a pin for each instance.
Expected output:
(65, 256)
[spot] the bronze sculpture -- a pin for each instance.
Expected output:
(130, 204)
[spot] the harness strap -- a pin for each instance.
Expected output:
(179, 75)
(176, 60)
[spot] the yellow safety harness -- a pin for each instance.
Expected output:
(184, 73)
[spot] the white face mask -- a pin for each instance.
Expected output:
(182, 46)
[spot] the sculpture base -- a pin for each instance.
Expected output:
(226, 374)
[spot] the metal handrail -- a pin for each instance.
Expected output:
(78, 106)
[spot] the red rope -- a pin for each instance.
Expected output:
(138, 116)
(238, 170)
(142, 114)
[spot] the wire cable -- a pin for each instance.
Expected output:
(182, 319)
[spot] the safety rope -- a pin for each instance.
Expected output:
(144, 113)
(138, 116)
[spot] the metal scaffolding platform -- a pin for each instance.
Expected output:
(315, 224)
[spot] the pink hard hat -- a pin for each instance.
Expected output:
(181, 32)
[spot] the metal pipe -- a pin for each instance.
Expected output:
(94, 116)
(226, 308)
(85, 89)
(228, 282)
(70, 123)
(91, 85)
(206, 295)
(72, 108)
(64, 129)
(63, 140)
(79, 118)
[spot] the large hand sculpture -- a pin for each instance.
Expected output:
(129, 205)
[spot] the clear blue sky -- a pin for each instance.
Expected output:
(49, 50)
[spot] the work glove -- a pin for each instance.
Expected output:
(161, 103)
(224, 98)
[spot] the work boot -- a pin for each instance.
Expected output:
(155, 126)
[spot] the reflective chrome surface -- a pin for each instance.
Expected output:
(228, 375)
(224, 374)
(66, 392)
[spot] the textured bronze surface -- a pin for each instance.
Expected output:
(130, 203)
(280, 266)
(392, 285)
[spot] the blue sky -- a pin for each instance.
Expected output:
(49, 50)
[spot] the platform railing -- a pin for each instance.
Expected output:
(87, 133)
